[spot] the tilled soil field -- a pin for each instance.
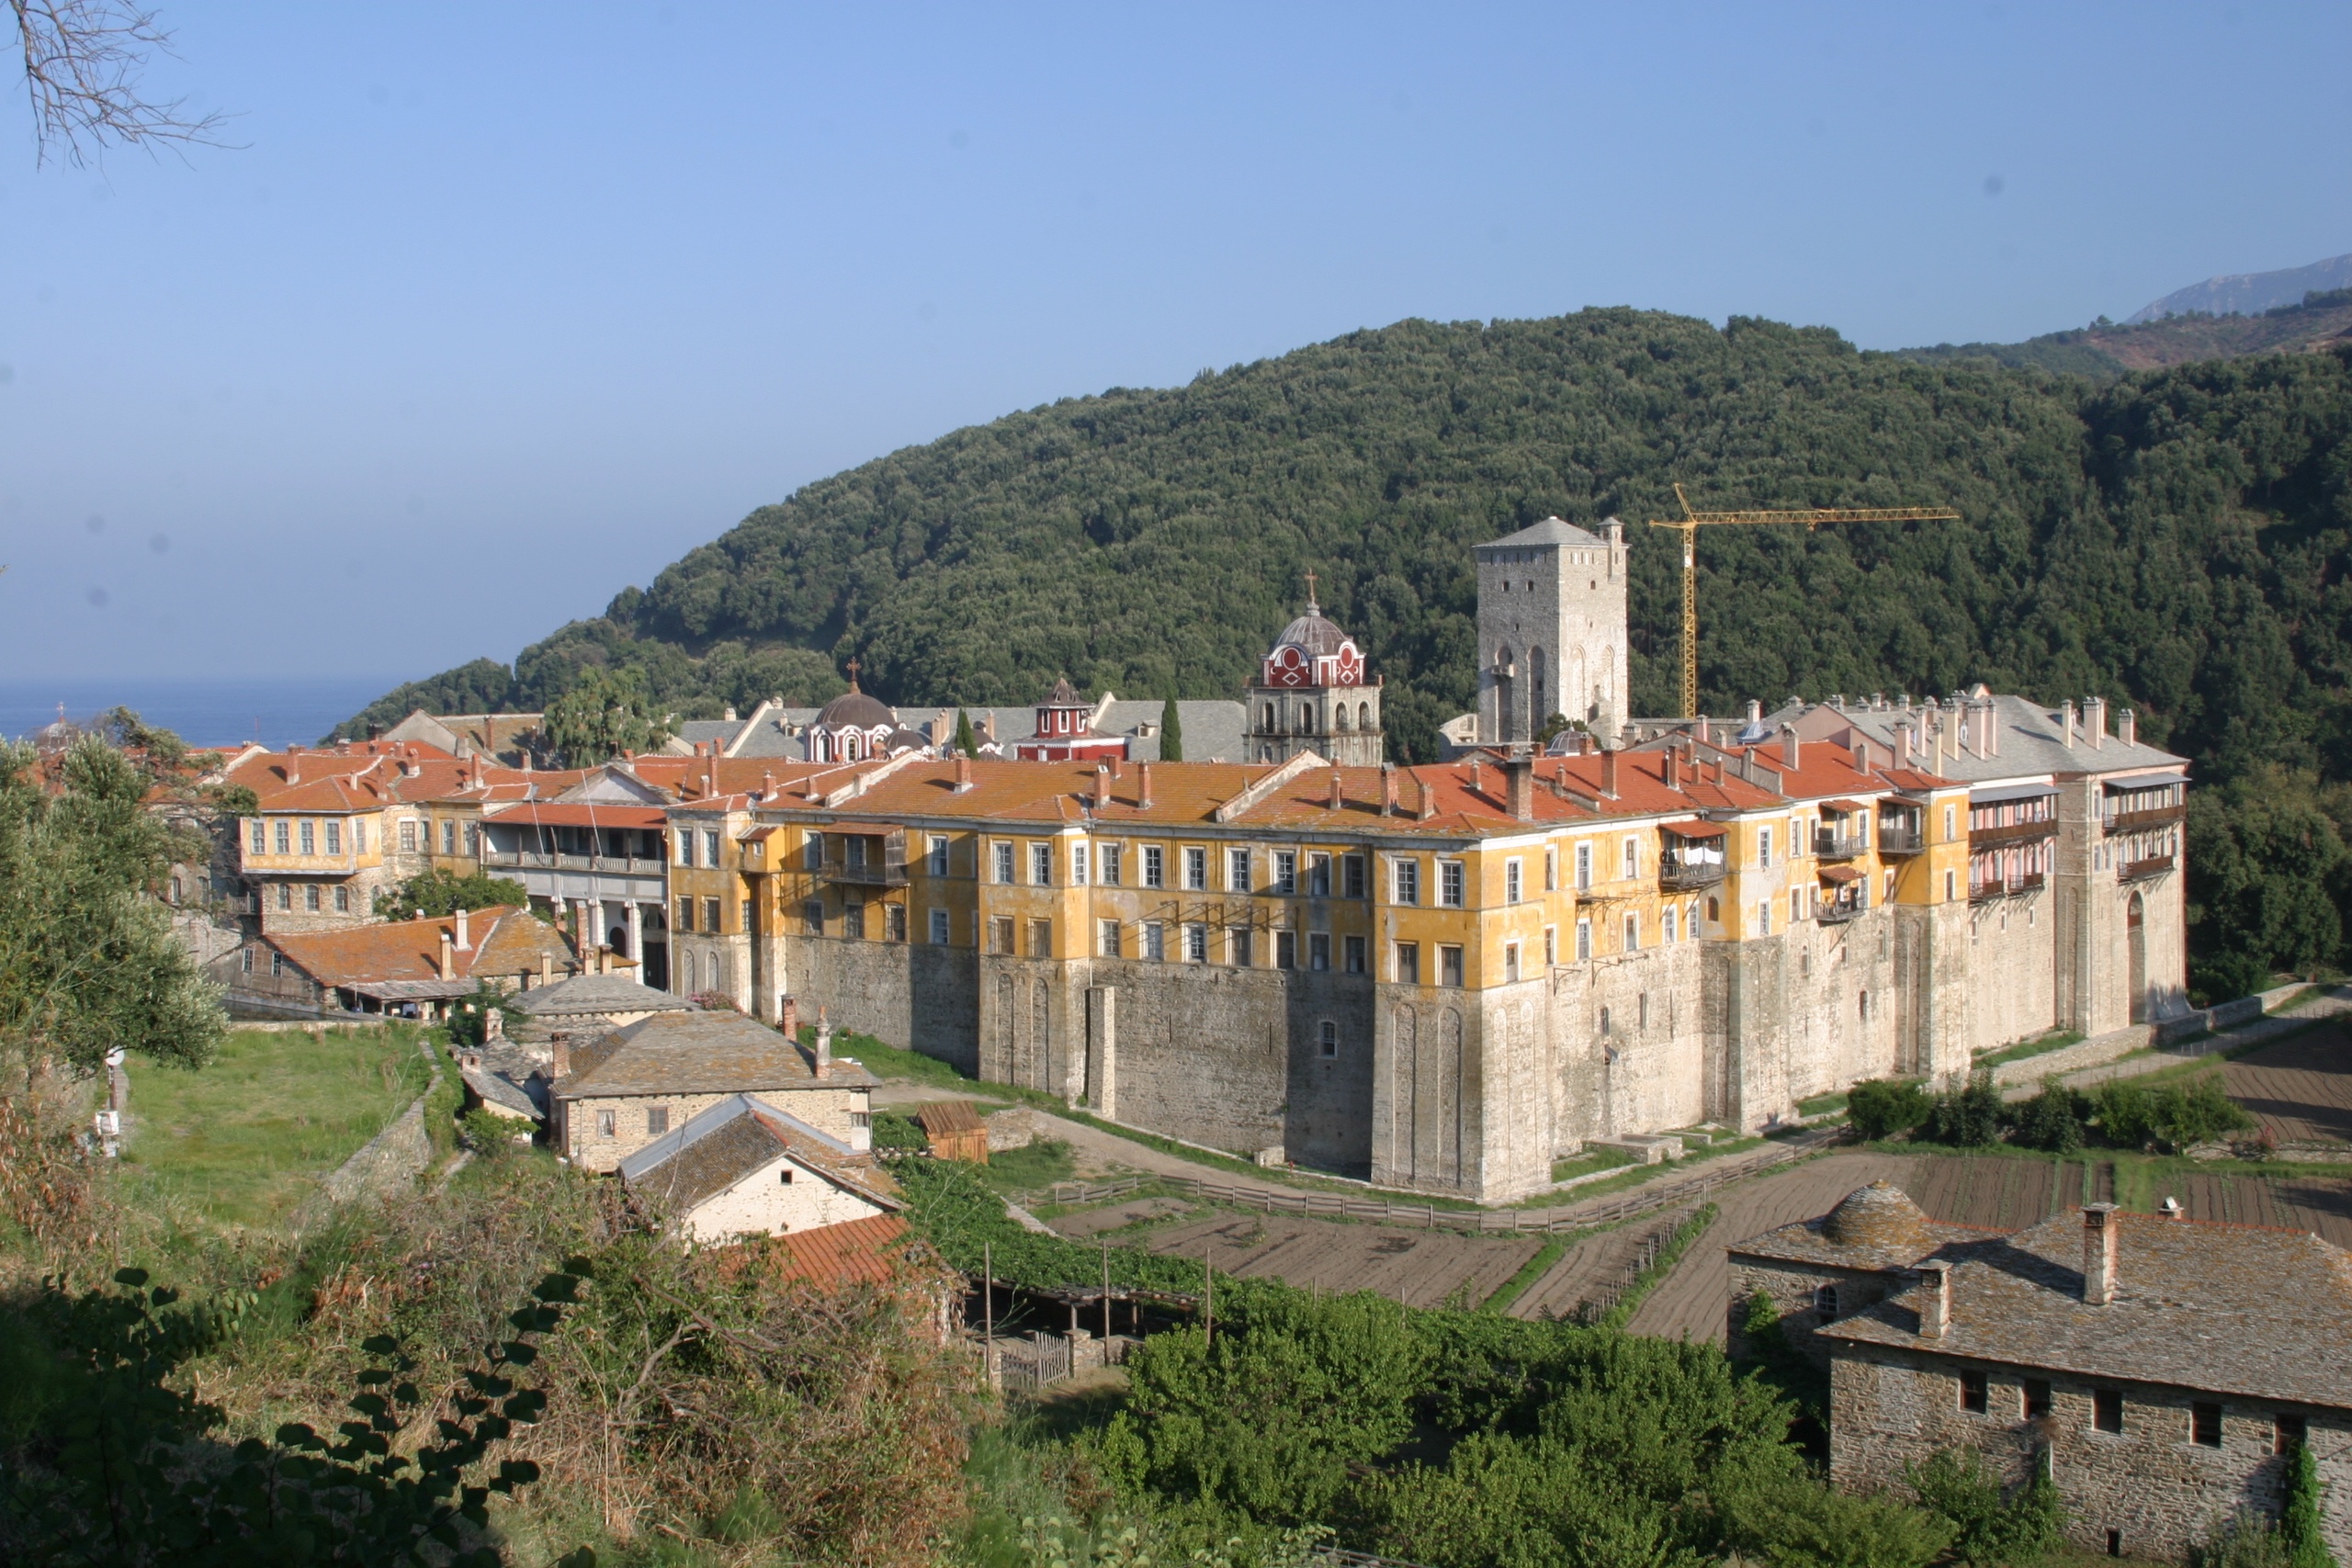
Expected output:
(1418, 1268)
(2299, 1089)
(1596, 1270)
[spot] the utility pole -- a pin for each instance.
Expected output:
(988, 1314)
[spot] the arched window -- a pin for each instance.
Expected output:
(850, 747)
(1270, 718)
(1338, 721)
(1604, 1020)
(1363, 715)
(686, 973)
(1825, 1301)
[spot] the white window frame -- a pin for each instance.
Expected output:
(1154, 942)
(942, 928)
(710, 847)
(1584, 940)
(1510, 961)
(935, 851)
(1196, 942)
(1514, 883)
(1630, 930)
(1764, 847)
(1007, 864)
(1584, 865)
(1111, 857)
(1155, 866)
(1237, 871)
(1452, 884)
(1666, 927)
(1196, 869)
(1551, 945)
(1106, 939)
(1078, 867)
(1041, 864)
(1405, 881)
(1285, 873)
(1629, 859)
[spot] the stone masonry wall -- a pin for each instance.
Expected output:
(2160, 1491)
(2012, 969)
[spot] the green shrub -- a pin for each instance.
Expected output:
(1801, 1522)
(2136, 1115)
(1968, 1117)
(1994, 1531)
(490, 1135)
(892, 1131)
(2247, 1540)
(2225, 976)
(1880, 1108)
(2053, 1119)
(2299, 1521)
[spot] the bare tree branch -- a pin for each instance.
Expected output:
(83, 62)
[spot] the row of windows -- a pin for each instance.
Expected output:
(688, 838)
(2036, 1400)
(277, 835)
(1110, 864)
(315, 898)
(711, 910)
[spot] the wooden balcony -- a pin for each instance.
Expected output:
(534, 860)
(2140, 870)
(1838, 914)
(1684, 877)
(2141, 821)
(1979, 892)
(872, 873)
(2015, 833)
(1901, 841)
(1838, 846)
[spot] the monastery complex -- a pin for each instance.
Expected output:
(1440, 977)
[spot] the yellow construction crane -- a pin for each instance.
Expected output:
(1690, 521)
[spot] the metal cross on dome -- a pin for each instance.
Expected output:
(1310, 593)
(853, 673)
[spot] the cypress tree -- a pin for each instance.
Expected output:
(2298, 1525)
(966, 741)
(1172, 731)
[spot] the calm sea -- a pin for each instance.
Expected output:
(205, 713)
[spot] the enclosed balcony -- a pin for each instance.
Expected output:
(865, 855)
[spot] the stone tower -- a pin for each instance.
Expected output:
(1551, 630)
(1313, 695)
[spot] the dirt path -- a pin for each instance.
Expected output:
(2299, 1089)
(1592, 1269)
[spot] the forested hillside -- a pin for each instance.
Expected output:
(2105, 350)
(2177, 540)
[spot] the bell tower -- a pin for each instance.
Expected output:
(1313, 695)
(1551, 630)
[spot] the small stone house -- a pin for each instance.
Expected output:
(745, 1168)
(617, 1094)
(2158, 1370)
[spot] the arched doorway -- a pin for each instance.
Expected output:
(2135, 921)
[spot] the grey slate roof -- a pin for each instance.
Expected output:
(2244, 1310)
(1213, 728)
(598, 995)
(511, 1078)
(1876, 1226)
(2032, 740)
(1549, 532)
(724, 1142)
(700, 1053)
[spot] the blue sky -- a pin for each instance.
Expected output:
(498, 309)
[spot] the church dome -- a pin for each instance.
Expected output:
(855, 710)
(1881, 1215)
(1312, 633)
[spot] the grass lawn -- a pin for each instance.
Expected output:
(1639, 1175)
(2056, 1041)
(1032, 1168)
(1590, 1161)
(244, 1141)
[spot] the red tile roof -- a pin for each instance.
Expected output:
(859, 1252)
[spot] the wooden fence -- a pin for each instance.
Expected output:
(1428, 1216)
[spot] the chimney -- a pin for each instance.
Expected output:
(1862, 755)
(547, 966)
(1519, 774)
(464, 942)
(1704, 738)
(1903, 742)
(560, 1059)
(788, 1018)
(1143, 784)
(824, 1041)
(1788, 743)
(1991, 736)
(1609, 776)
(963, 773)
(1426, 806)
(1878, 702)
(1102, 788)
(448, 964)
(2101, 1222)
(1477, 777)
(293, 765)
(2095, 721)
(1935, 1299)
(2127, 726)
(1118, 769)
(767, 783)
(604, 959)
(1667, 774)
(1338, 787)
(1755, 711)
(710, 770)
(1388, 789)
(2066, 720)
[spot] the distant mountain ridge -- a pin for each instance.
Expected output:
(2249, 293)
(2313, 324)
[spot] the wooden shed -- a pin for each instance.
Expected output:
(954, 1130)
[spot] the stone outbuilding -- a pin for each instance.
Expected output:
(614, 1095)
(414, 968)
(2160, 1370)
(745, 1168)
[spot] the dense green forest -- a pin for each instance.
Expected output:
(2174, 540)
(2105, 349)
